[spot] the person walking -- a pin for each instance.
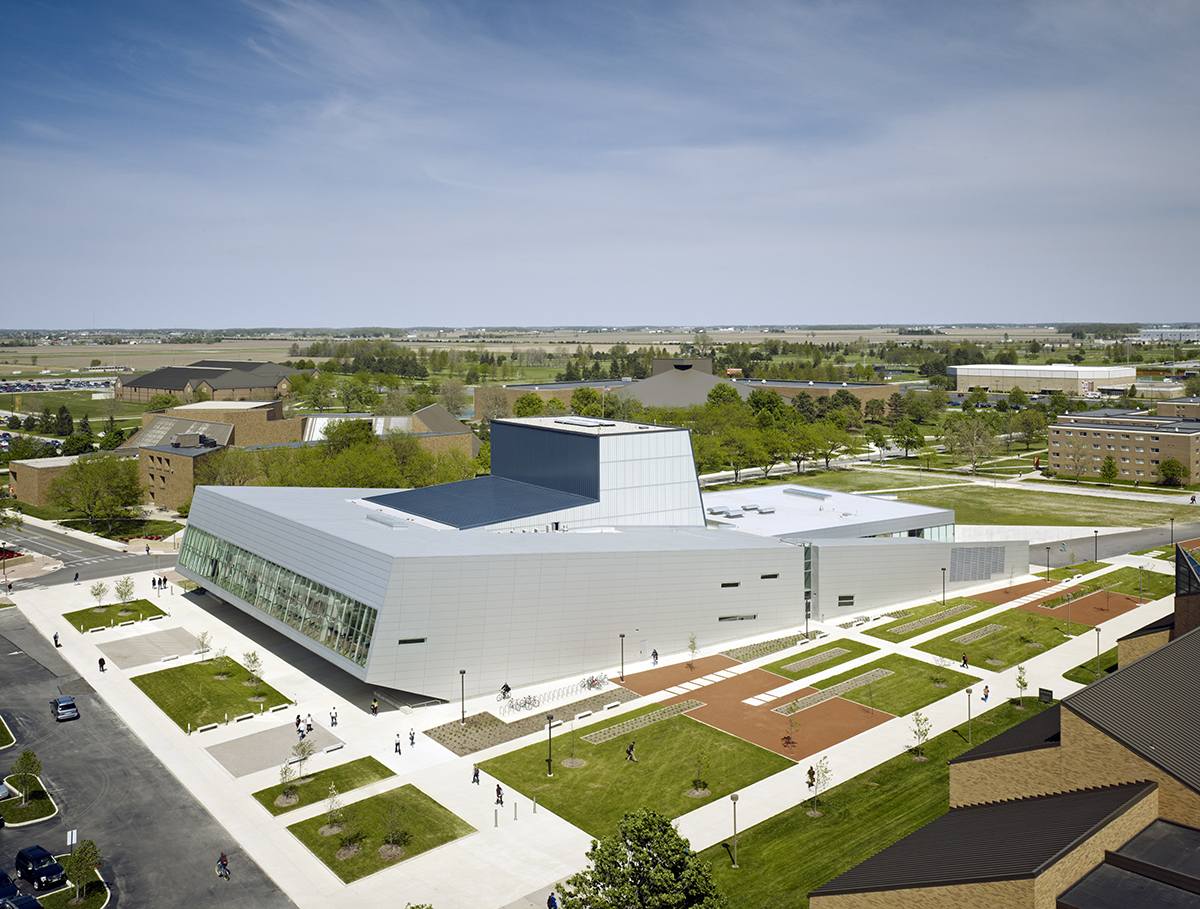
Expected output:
(147, 549)
(654, 662)
(499, 796)
(629, 753)
(965, 664)
(101, 664)
(77, 579)
(985, 693)
(398, 740)
(551, 901)
(308, 724)
(299, 722)
(412, 738)
(812, 777)
(374, 706)
(56, 644)
(333, 716)
(475, 774)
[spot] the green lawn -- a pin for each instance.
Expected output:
(346, 777)
(429, 823)
(40, 806)
(1061, 574)
(1085, 672)
(1153, 585)
(6, 737)
(786, 856)
(136, 610)
(190, 694)
(80, 403)
(1008, 645)
(984, 505)
(854, 650)
(864, 481)
(911, 686)
(594, 797)
(126, 529)
(95, 893)
(921, 612)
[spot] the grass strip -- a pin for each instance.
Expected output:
(346, 777)
(95, 893)
(854, 649)
(982, 505)
(429, 824)
(1009, 645)
(594, 797)
(40, 804)
(6, 736)
(1151, 586)
(884, 633)
(84, 620)
(912, 685)
(1061, 574)
(191, 694)
(1085, 672)
(786, 856)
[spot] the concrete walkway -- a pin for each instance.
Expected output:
(516, 855)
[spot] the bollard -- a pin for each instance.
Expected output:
(514, 809)
(535, 804)
(189, 728)
(496, 812)
(226, 718)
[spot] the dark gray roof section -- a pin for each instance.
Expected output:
(1041, 731)
(172, 377)
(439, 420)
(183, 452)
(1003, 841)
(160, 430)
(479, 502)
(1149, 707)
(1166, 623)
(218, 374)
(678, 388)
(1114, 888)
(1167, 845)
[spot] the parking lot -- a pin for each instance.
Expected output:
(160, 844)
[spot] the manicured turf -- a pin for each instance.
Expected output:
(910, 687)
(346, 777)
(595, 797)
(1085, 672)
(85, 619)
(1007, 645)
(429, 823)
(920, 612)
(786, 856)
(95, 892)
(840, 480)
(126, 529)
(190, 694)
(1061, 574)
(6, 737)
(39, 806)
(1154, 586)
(981, 505)
(854, 650)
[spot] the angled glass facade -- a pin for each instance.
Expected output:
(340, 623)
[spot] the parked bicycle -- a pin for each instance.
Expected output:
(594, 681)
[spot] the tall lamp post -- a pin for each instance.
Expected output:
(1172, 533)
(733, 798)
(1047, 564)
(462, 678)
(549, 744)
(622, 656)
(1096, 546)
(943, 588)
(968, 716)
(1097, 651)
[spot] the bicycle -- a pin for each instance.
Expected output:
(529, 702)
(504, 696)
(222, 871)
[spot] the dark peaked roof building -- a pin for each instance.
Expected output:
(221, 380)
(1091, 805)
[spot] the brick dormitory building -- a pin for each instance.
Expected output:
(1092, 804)
(1137, 440)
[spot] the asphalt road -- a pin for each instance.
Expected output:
(1086, 546)
(160, 844)
(77, 554)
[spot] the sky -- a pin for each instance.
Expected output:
(300, 163)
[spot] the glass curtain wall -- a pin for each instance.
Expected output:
(333, 619)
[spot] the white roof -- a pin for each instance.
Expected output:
(225, 405)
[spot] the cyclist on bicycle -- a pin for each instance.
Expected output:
(504, 690)
(223, 866)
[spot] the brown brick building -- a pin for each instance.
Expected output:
(1093, 804)
(220, 380)
(30, 479)
(1137, 440)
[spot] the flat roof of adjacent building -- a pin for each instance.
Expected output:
(589, 426)
(224, 405)
(795, 510)
(41, 463)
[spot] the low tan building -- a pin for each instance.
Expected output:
(168, 472)
(30, 479)
(1065, 377)
(1137, 441)
(1093, 804)
(219, 380)
(253, 423)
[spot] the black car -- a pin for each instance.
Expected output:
(7, 888)
(40, 868)
(20, 901)
(64, 708)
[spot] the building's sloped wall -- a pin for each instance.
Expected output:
(1006, 776)
(987, 895)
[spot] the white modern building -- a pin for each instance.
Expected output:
(585, 531)
(1064, 377)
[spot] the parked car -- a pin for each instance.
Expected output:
(64, 708)
(20, 901)
(7, 888)
(40, 868)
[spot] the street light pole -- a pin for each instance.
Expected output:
(549, 744)
(622, 656)
(968, 716)
(1096, 546)
(1097, 651)
(943, 588)
(462, 678)
(1047, 564)
(733, 798)
(1172, 533)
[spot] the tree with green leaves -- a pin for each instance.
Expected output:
(76, 444)
(491, 403)
(124, 588)
(584, 398)
(46, 422)
(318, 392)
(1017, 398)
(98, 590)
(1172, 473)
(1076, 455)
(302, 752)
(1022, 684)
(254, 665)
(528, 405)
(64, 425)
(83, 861)
(287, 780)
(921, 728)
(897, 409)
(553, 407)
(971, 437)
(646, 864)
(104, 489)
(693, 649)
(906, 435)
(26, 766)
(453, 396)
(876, 436)
(724, 393)
(1108, 470)
(873, 410)
(9, 516)
(163, 402)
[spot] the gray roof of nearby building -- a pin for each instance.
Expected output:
(678, 388)
(1109, 887)
(440, 420)
(815, 385)
(1159, 867)
(191, 452)
(160, 430)
(217, 373)
(1000, 841)
(1149, 706)
(1043, 730)
(563, 386)
(479, 502)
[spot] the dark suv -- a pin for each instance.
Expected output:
(40, 868)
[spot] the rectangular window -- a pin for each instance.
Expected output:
(737, 618)
(769, 577)
(412, 640)
(846, 602)
(731, 583)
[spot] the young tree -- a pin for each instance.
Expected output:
(287, 779)
(820, 783)
(645, 865)
(204, 639)
(124, 588)
(1076, 455)
(163, 402)
(85, 427)
(693, 649)
(104, 488)
(453, 396)
(876, 437)
(1022, 684)
(528, 405)
(942, 664)
(1108, 470)
(703, 763)
(84, 859)
(303, 751)
(1172, 473)
(789, 741)
(921, 727)
(391, 819)
(254, 665)
(333, 805)
(98, 590)
(27, 765)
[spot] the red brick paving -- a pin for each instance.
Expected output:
(663, 677)
(1014, 592)
(1090, 610)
